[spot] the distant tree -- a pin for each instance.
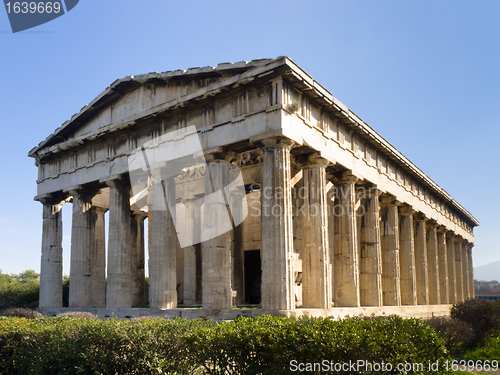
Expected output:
(486, 287)
(19, 290)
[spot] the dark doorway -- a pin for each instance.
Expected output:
(253, 276)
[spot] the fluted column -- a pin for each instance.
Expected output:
(98, 258)
(192, 224)
(421, 265)
(450, 247)
(458, 269)
(331, 236)
(370, 262)
(443, 265)
(238, 211)
(472, 293)
(119, 290)
(277, 237)
(391, 282)
(51, 271)
(316, 271)
(432, 264)
(80, 288)
(138, 273)
(346, 267)
(163, 249)
(465, 270)
(407, 256)
(217, 257)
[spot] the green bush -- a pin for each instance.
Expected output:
(490, 351)
(482, 315)
(19, 290)
(92, 346)
(456, 334)
(267, 345)
(264, 345)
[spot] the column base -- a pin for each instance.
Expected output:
(426, 311)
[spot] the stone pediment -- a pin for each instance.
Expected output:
(135, 97)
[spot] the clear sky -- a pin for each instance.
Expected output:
(425, 74)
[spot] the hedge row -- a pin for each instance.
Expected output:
(246, 346)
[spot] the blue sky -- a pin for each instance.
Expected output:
(423, 73)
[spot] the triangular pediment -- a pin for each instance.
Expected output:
(137, 96)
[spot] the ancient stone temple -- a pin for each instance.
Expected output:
(250, 184)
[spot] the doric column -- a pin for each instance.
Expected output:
(163, 249)
(432, 264)
(346, 270)
(80, 288)
(238, 211)
(443, 265)
(316, 271)
(277, 237)
(450, 247)
(465, 270)
(370, 261)
(51, 271)
(407, 256)
(98, 258)
(458, 269)
(138, 273)
(421, 265)
(217, 258)
(331, 235)
(391, 283)
(472, 293)
(119, 289)
(193, 225)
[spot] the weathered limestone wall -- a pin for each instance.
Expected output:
(395, 253)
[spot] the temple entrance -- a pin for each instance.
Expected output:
(253, 277)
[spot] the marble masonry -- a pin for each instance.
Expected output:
(329, 218)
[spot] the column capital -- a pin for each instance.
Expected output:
(50, 198)
(419, 216)
(120, 183)
(274, 142)
(442, 228)
(346, 177)
(220, 155)
(312, 160)
(389, 200)
(82, 190)
(431, 223)
(405, 210)
(368, 191)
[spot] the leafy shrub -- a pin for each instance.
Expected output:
(78, 314)
(482, 315)
(490, 351)
(266, 345)
(19, 290)
(21, 313)
(92, 346)
(246, 346)
(455, 333)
